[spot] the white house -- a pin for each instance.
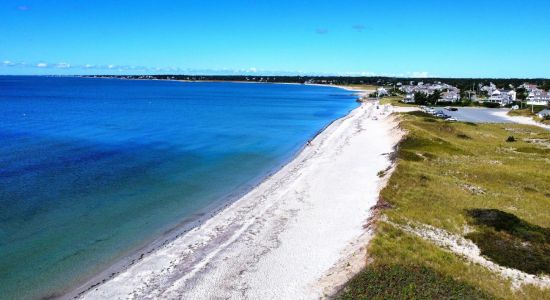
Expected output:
(502, 97)
(538, 97)
(409, 98)
(450, 96)
(381, 91)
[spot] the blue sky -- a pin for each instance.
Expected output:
(507, 38)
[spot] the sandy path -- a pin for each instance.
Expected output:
(279, 240)
(521, 120)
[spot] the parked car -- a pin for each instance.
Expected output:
(451, 119)
(454, 109)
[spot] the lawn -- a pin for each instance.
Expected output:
(469, 180)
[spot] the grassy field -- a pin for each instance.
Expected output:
(363, 87)
(470, 180)
(394, 100)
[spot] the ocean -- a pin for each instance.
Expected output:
(93, 169)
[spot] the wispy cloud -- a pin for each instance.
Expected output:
(358, 27)
(63, 65)
(321, 31)
(23, 7)
(422, 74)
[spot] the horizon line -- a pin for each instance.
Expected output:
(266, 75)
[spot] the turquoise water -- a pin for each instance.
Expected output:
(92, 169)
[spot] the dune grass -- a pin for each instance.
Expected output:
(394, 100)
(526, 112)
(468, 179)
(530, 112)
(362, 87)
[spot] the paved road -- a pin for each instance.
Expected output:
(476, 114)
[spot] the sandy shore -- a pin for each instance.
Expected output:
(289, 238)
(521, 120)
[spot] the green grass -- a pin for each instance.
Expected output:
(526, 112)
(363, 87)
(394, 100)
(455, 176)
(408, 282)
(530, 112)
(510, 241)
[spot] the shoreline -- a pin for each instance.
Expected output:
(137, 253)
(192, 257)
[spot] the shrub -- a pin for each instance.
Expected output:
(510, 139)
(491, 104)
(407, 282)
(511, 241)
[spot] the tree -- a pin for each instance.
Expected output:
(434, 97)
(420, 98)
(521, 94)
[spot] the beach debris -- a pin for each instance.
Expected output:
(475, 190)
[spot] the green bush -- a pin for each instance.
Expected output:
(510, 241)
(491, 104)
(407, 282)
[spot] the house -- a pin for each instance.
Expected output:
(502, 97)
(529, 87)
(488, 88)
(409, 98)
(538, 97)
(543, 113)
(381, 91)
(450, 96)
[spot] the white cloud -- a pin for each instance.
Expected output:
(111, 66)
(62, 65)
(253, 70)
(423, 74)
(88, 66)
(42, 65)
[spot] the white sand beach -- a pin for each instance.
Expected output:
(289, 238)
(520, 119)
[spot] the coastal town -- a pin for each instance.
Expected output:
(528, 94)
(528, 100)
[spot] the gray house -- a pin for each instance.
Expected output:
(543, 113)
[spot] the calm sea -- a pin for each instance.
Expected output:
(92, 169)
